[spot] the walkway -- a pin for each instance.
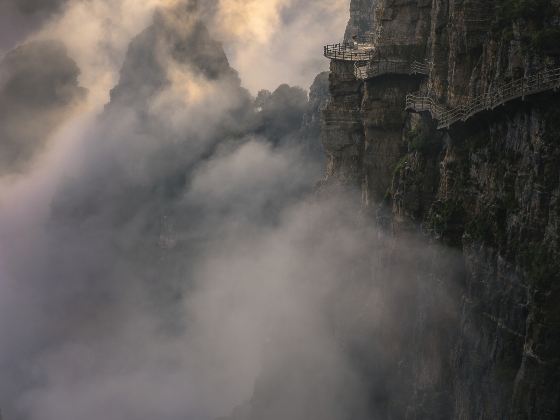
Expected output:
(376, 68)
(363, 48)
(348, 51)
(540, 82)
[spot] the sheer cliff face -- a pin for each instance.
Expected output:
(363, 120)
(362, 13)
(488, 187)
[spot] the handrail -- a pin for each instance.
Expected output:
(379, 67)
(506, 92)
(362, 48)
(349, 51)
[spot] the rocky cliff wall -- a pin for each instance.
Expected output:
(362, 14)
(488, 188)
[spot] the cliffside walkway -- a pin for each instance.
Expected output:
(363, 48)
(446, 117)
(376, 68)
(348, 51)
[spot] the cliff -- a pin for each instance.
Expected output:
(488, 187)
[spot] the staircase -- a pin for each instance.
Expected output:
(547, 80)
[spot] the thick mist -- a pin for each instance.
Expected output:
(164, 249)
(276, 41)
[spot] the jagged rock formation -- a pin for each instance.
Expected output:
(489, 188)
(177, 55)
(280, 111)
(361, 18)
(176, 42)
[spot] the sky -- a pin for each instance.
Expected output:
(279, 41)
(164, 250)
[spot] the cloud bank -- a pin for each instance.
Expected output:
(104, 238)
(277, 41)
(19, 18)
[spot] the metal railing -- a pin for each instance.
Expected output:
(376, 68)
(519, 88)
(348, 51)
(362, 48)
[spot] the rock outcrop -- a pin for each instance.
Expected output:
(488, 188)
(177, 43)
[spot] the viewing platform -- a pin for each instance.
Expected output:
(547, 80)
(376, 68)
(361, 50)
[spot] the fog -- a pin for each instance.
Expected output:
(164, 249)
(277, 41)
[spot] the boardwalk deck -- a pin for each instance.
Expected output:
(376, 68)
(363, 48)
(520, 88)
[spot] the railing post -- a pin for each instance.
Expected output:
(519, 88)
